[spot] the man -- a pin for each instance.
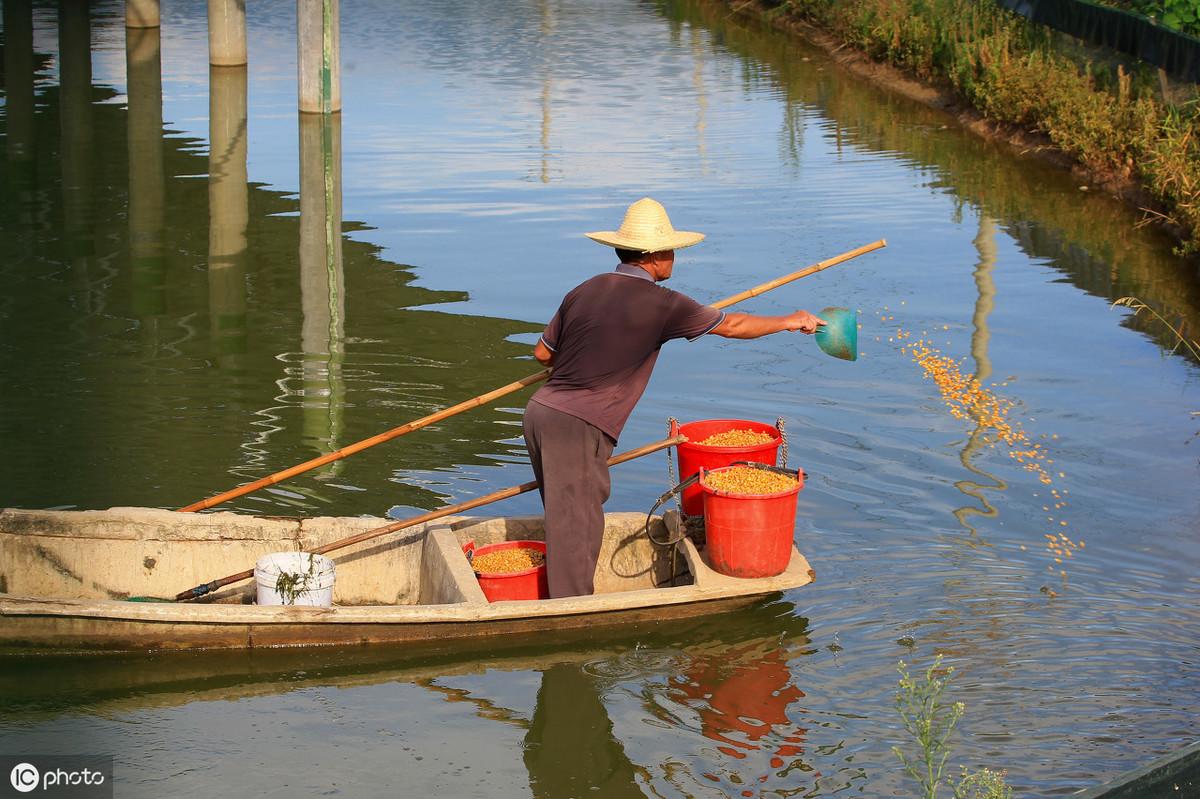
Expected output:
(601, 346)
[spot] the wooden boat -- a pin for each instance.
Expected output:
(66, 578)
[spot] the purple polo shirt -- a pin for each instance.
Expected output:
(605, 338)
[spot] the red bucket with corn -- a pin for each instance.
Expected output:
(510, 570)
(749, 518)
(715, 443)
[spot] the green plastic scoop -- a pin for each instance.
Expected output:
(839, 336)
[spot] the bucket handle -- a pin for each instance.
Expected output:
(766, 467)
(688, 483)
(783, 440)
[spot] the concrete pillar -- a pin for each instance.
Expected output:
(18, 81)
(75, 131)
(227, 33)
(319, 56)
(147, 185)
(228, 212)
(142, 14)
(322, 283)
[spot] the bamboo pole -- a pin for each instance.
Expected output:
(805, 272)
(497, 393)
(487, 499)
(351, 449)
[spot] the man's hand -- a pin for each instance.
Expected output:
(804, 322)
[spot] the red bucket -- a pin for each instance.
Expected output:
(504, 586)
(693, 457)
(749, 535)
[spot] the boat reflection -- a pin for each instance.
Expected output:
(725, 679)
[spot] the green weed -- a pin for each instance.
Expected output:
(930, 721)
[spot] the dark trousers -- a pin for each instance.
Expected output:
(570, 462)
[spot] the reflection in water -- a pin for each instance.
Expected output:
(697, 48)
(147, 187)
(985, 243)
(102, 235)
(76, 156)
(19, 110)
(18, 83)
(228, 214)
(742, 695)
(570, 749)
(739, 696)
(547, 31)
(716, 696)
(322, 282)
(1091, 239)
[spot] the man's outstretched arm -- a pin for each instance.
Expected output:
(744, 325)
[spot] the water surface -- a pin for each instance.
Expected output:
(180, 318)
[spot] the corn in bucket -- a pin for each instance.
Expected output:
(731, 440)
(749, 516)
(510, 570)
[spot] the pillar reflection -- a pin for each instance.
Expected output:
(546, 12)
(21, 178)
(18, 83)
(322, 283)
(76, 137)
(985, 286)
(228, 213)
(147, 188)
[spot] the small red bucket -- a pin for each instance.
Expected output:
(749, 535)
(504, 586)
(692, 457)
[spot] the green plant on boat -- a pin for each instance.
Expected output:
(290, 585)
(930, 721)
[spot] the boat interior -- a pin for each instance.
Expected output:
(142, 552)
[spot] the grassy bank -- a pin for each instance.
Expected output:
(1112, 122)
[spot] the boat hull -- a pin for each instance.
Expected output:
(636, 583)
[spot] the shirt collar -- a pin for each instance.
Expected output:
(633, 270)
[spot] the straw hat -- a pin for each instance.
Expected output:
(646, 228)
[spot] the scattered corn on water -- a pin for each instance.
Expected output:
(968, 399)
(507, 561)
(749, 481)
(737, 438)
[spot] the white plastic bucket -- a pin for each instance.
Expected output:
(309, 579)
